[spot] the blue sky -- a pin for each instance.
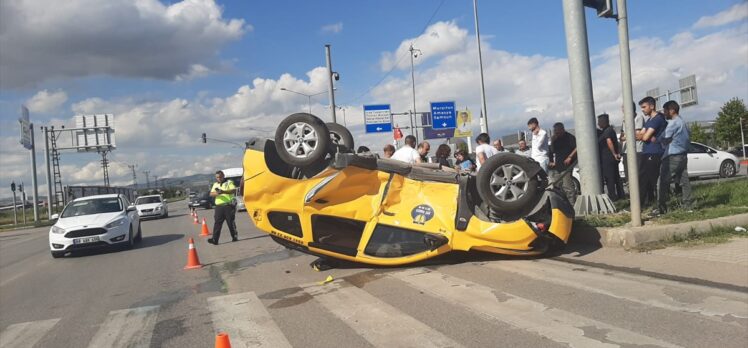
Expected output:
(170, 70)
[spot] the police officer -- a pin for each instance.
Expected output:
(223, 191)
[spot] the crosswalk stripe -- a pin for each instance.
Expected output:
(641, 289)
(379, 323)
(132, 327)
(26, 334)
(555, 324)
(244, 318)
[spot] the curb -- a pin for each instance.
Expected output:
(630, 237)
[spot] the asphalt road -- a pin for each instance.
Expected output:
(265, 295)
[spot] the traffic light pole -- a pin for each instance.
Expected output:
(34, 184)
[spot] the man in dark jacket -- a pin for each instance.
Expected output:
(563, 157)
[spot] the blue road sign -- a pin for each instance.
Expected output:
(378, 118)
(443, 115)
(430, 133)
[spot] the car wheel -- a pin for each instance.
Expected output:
(139, 236)
(727, 169)
(130, 239)
(302, 139)
(341, 137)
(509, 184)
(58, 254)
(577, 186)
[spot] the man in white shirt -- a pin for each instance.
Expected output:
(484, 150)
(523, 149)
(408, 153)
(498, 146)
(539, 143)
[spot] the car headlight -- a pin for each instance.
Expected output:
(115, 223)
(57, 230)
(159, 208)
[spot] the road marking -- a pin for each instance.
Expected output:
(26, 334)
(379, 323)
(132, 327)
(555, 324)
(635, 288)
(245, 319)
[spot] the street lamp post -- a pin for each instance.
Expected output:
(414, 52)
(484, 110)
(309, 96)
(345, 124)
(742, 136)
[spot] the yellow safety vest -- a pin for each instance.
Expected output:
(224, 198)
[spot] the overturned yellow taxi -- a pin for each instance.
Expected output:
(311, 193)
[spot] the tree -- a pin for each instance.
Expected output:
(727, 127)
(698, 134)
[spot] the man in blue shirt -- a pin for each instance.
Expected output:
(652, 150)
(674, 166)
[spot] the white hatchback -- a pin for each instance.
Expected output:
(94, 222)
(151, 206)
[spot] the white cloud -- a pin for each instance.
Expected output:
(332, 28)
(43, 40)
(196, 71)
(736, 13)
(439, 39)
(45, 101)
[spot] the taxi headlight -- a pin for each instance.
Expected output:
(57, 230)
(115, 223)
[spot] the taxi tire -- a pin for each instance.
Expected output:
(515, 208)
(322, 145)
(341, 136)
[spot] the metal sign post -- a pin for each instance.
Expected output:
(15, 211)
(27, 140)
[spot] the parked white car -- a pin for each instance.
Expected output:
(94, 222)
(152, 206)
(706, 161)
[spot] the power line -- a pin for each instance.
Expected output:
(394, 66)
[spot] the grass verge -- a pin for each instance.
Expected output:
(716, 235)
(709, 201)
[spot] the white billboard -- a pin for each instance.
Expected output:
(25, 139)
(94, 133)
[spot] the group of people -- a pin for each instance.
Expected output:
(662, 141)
(661, 144)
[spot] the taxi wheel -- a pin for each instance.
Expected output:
(340, 136)
(505, 184)
(302, 139)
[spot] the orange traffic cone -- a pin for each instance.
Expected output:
(222, 340)
(205, 232)
(192, 260)
(195, 220)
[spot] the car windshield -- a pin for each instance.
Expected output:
(147, 200)
(92, 206)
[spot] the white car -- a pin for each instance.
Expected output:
(151, 206)
(94, 222)
(706, 161)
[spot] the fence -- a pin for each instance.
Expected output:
(73, 192)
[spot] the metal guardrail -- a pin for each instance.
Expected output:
(73, 192)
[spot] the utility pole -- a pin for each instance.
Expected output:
(155, 181)
(742, 136)
(49, 173)
(628, 114)
(147, 179)
(15, 208)
(23, 201)
(134, 177)
(484, 110)
(414, 52)
(592, 201)
(330, 87)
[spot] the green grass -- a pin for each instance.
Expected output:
(709, 201)
(716, 235)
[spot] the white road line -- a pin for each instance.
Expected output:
(555, 324)
(132, 327)
(244, 318)
(26, 334)
(379, 323)
(636, 288)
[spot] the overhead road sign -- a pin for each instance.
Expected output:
(25, 128)
(430, 133)
(94, 133)
(443, 115)
(378, 118)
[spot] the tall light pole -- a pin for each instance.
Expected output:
(484, 110)
(309, 96)
(330, 87)
(742, 136)
(147, 179)
(414, 52)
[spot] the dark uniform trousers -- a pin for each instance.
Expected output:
(648, 178)
(226, 212)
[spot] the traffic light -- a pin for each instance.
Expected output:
(205, 138)
(13, 186)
